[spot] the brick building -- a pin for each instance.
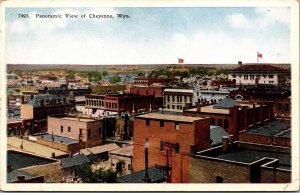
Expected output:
(263, 73)
(39, 107)
(89, 130)
(18, 127)
(65, 91)
(241, 162)
(277, 133)
(176, 99)
(234, 116)
(148, 81)
(170, 139)
(156, 91)
(280, 96)
(117, 103)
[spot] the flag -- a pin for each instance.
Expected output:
(180, 60)
(259, 55)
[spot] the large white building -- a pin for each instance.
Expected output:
(175, 99)
(263, 73)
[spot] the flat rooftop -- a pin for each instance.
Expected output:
(166, 117)
(19, 160)
(80, 119)
(168, 112)
(100, 149)
(244, 155)
(271, 129)
(211, 109)
(178, 90)
(124, 151)
(56, 138)
(33, 147)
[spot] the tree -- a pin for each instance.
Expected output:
(104, 73)
(115, 79)
(88, 175)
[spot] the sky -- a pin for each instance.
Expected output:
(157, 35)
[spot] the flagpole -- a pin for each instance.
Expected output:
(257, 56)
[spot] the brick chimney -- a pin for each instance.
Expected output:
(225, 142)
(198, 108)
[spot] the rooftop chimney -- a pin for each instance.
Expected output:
(225, 142)
(53, 155)
(240, 64)
(199, 108)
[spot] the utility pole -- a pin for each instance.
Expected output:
(146, 177)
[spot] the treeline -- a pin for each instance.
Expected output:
(187, 72)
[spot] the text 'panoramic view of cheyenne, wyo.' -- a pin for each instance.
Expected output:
(148, 95)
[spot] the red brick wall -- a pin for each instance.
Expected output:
(239, 120)
(188, 133)
(283, 111)
(146, 91)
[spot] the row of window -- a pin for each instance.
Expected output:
(220, 122)
(80, 131)
(253, 76)
(162, 124)
(178, 98)
(90, 102)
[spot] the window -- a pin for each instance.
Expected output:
(129, 167)
(257, 76)
(219, 179)
(271, 76)
(177, 147)
(80, 132)
(89, 133)
(176, 125)
(251, 77)
(162, 124)
(220, 122)
(161, 146)
(233, 76)
(264, 76)
(147, 122)
(246, 77)
(61, 129)
(286, 107)
(212, 121)
(279, 106)
(271, 81)
(69, 129)
(226, 124)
